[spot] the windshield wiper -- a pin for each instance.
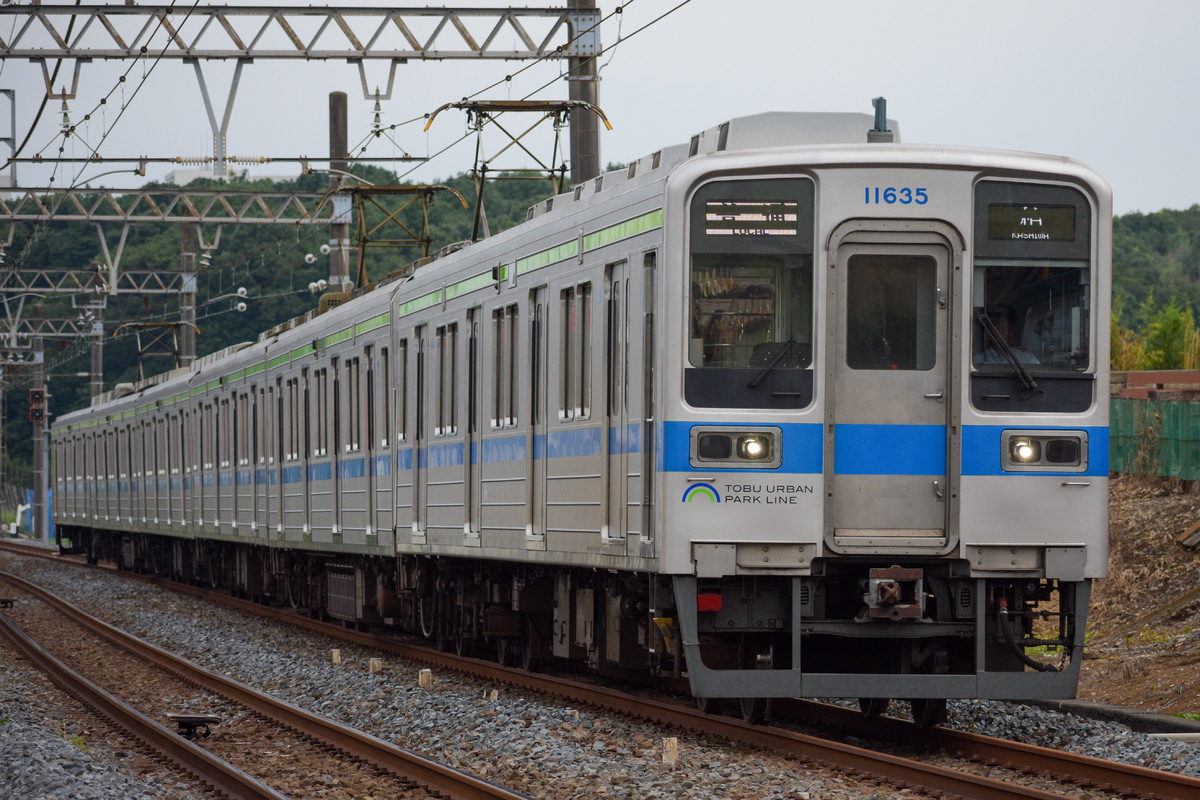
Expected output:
(783, 351)
(993, 333)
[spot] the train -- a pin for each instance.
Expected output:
(791, 409)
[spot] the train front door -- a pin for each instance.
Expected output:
(889, 440)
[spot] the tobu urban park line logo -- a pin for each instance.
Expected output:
(702, 492)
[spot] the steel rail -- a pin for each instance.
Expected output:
(856, 760)
(1085, 770)
(1120, 778)
(425, 772)
(213, 771)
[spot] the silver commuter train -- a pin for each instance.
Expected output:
(780, 410)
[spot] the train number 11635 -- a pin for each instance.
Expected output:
(873, 195)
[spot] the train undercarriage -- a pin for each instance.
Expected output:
(875, 633)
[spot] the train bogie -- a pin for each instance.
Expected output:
(781, 410)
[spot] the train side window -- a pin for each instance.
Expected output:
(575, 342)
(511, 365)
(505, 323)
(385, 382)
(498, 390)
(353, 406)
(243, 430)
(226, 433)
(292, 421)
(402, 391)
(321, 417)
(583, 409)
(567, 356)
(446, 343)
(369, 398)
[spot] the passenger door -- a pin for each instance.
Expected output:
(536, 447)
(420, 507)
(888, 440)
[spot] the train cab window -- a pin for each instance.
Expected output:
(750, 294)
(1031, 298)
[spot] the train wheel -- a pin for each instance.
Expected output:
(873, 706)
(506, 651)
(708, 705)
(464, 645)
(531, 648)
(754, 709)
(427, 618)
(928, 712)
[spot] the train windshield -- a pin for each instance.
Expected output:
(1032, 283)
(751, 275)
(1037, 313)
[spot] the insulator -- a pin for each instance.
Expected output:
(247, 159)
(310, 259)
(192, 159)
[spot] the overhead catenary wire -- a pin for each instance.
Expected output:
(377, 133)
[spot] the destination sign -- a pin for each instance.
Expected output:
(751, 218)
(1031, 223)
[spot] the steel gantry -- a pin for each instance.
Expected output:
(41, 33)
(248, 33)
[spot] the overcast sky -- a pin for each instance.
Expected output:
(1110, 83)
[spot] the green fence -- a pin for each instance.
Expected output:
(1155, 437)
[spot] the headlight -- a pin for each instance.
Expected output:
(1045, 451)
(1024, 450)
(754, 447)
(736, 448)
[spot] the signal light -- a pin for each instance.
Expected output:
(37, 414)
(37, 397)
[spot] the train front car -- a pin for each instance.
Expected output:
(885, 436)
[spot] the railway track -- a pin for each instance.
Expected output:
(1069, 770)
(213, 772)
(352, 746)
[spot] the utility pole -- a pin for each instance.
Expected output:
(41, 518)
(583, 84)
(339, 228)
(187, 294)
(96, 384)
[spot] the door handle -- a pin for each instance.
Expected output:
(938, 395)
(938, 491)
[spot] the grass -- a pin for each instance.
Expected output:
(1148, 636)
(77, 741)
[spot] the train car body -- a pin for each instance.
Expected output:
(788, 412)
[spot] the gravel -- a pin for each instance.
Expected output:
(40, 761)
(542, 748)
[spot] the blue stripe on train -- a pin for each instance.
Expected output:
(982, 445)
(889, 450)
